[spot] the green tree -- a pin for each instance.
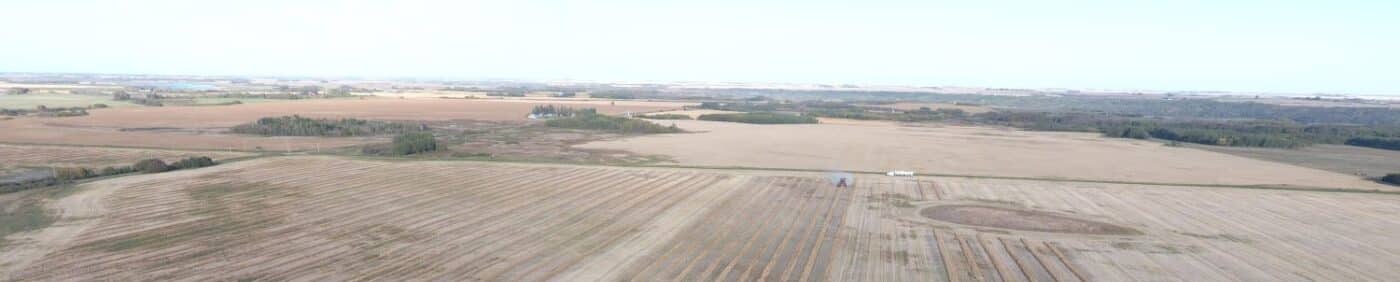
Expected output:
(1393, 178)
(413, 143)
(151, 166)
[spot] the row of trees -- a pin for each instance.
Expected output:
(666, 116)
(594, 121)
(760, 118)
(296, 125)
(1247, 133)
(838, 110)
(1393, 178)
(1375, 142)
(1132, 106)
(560, 111)
(45, 111)
(62, 175)
(612, 95)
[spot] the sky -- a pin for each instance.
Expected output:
(1296, 46)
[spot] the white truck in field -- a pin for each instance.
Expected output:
(900, 173)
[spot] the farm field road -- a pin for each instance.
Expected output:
(325, 218)
(837, 144)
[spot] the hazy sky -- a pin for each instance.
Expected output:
(1282, 45)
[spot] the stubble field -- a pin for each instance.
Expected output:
(965, 150)
(318, 218)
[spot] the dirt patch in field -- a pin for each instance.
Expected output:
(532, 142)
(1017, 219)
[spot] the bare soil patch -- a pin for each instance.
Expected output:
(1020, 219)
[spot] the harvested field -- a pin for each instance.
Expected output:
(1352, 160)
(883, 146)
(203, 127)
(316, 218)
(93, 157)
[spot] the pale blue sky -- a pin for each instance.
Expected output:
(1290, 46)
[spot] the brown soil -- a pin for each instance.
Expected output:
(1016, 219)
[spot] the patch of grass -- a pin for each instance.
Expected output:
(28, 216)
(24, 211)
(894, 199)
(229, 211)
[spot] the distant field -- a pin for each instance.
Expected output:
(202, 127)
(318, 218)
(372, 108)
(881, 146)
(1338, 158)
(30, 101)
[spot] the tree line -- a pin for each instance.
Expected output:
(1244, 133)
(1191, 108)
(666, 116)
(560, 111)
(591, 120)
(45, 111)
(296, 125)
(1375, 142)
(1393, 178)
(63, 175)
(760, 118)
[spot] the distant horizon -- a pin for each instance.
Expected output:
(1286, 46)
(751, 83)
